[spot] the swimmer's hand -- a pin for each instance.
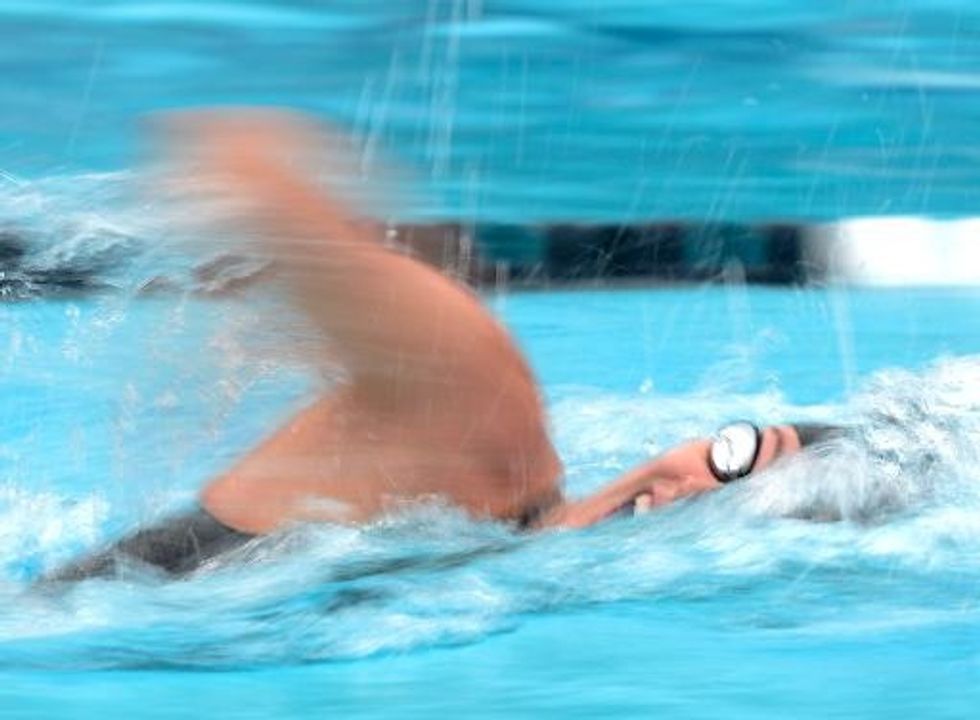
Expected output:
(235, 139)
(262, 173)
(642, 504)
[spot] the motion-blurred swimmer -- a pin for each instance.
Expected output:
(438, 401)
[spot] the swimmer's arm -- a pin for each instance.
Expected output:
(619, 495)
(640, 488)
(402, 330)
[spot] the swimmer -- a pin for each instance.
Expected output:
(438, 401)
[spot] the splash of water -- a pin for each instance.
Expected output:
(895, 505)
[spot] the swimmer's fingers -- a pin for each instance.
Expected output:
(642, 504)
(203, 158)
(259, 173)
(233, 139)
(245, 141)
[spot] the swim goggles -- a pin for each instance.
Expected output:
(734, 450)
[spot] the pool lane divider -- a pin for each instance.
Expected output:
(490, 254)
(498, 255)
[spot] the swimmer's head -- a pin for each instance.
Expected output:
(737, 451)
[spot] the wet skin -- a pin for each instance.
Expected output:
(439, 402)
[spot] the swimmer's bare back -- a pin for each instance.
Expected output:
(439, 403)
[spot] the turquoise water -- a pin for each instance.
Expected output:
(732, 604)
(517, 109)
(834, 585)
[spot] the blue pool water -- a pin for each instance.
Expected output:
(732, 604)
(840, 585)
(513, 109)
